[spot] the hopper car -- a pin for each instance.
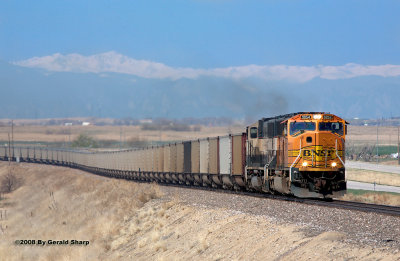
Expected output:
(299, 154)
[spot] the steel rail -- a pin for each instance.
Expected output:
(339, 204)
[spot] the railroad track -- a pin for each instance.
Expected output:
(382, 209)
(350, 205)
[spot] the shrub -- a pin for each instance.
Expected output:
(84, 141)
(10, 183)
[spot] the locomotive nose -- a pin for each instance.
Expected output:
(319, 151)
(318, 138)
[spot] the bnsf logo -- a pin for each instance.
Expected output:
(309, 153)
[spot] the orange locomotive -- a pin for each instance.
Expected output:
(301, 154)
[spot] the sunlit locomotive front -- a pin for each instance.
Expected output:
(316, 144)
(301, 154)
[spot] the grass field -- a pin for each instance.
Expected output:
(123, 220)
(376, 197)
(62, 204)
(357, 135)
(387, 135)
(369, 176)
(114, 135)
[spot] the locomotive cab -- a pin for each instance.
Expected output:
(300, 154)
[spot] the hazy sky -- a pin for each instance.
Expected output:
(273, 42)
(206, 34)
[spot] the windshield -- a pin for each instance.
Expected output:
(336, 127)
(301, 127)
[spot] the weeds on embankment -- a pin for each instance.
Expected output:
(376, 197)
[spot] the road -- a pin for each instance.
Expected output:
(369, 186)
(373, 167)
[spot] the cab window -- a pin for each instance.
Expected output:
(336, 127)
(253, 132)
(299, 127)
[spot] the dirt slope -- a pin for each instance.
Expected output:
(124, 220)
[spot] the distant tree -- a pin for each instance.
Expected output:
(165, 126)
(178, 127)
(151, 126)
(197, 127)
(84, 141)
(136, 142)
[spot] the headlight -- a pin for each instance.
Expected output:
(317, 116)
(333, 164)
(305, 164)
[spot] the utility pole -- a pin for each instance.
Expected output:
(377, 141)
(9, 150)
(120, 137)
(398, 145)
(12, 135)
(11, 142)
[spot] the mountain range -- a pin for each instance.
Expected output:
(37, 93)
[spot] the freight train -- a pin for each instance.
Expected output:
(299, 154)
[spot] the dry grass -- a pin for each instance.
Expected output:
(390, 162)
(129, 221)
(153, 193)
(37, 133)
(367, 135)
(369, 176)
(60, 203)
(372, 197)
(69, 133)
(8, 180)
(125, 220)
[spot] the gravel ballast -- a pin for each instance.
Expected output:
(361, 228)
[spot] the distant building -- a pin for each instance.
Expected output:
(85, 123)
(143, 121)
(68, 124)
